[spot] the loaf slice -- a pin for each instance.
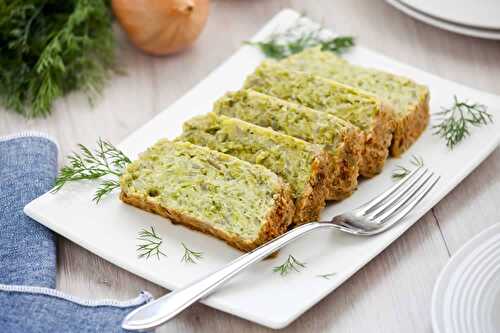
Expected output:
(303, 165)
(361, 109)
(409, 100)
(241, 203)
(338, 137)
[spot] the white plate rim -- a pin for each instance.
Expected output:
(447, 272)
(463, 30)
(464, 21)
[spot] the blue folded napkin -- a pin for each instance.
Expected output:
(28, 302)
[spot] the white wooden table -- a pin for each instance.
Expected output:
(393, 292)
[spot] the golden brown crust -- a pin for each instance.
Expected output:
(377, 142)
(409, 127)
(346, 164)
(309, 205)
(279, 219)
(276, 223)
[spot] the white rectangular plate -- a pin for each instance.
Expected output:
(110, 228)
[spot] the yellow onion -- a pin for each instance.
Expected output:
(161, 26)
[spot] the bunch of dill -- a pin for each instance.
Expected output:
(49, 48)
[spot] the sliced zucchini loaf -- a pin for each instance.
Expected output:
(338, 137)
(241, 203)
(305, 166)
(409, 100)
(361, 109)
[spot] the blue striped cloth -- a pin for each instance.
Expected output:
(28, 300)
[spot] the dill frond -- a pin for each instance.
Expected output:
(456, 121)
(327, 276)
(190, 256)
(50, 48)
(300, 37)
(105, 160)
(402, 171)
(149, 245)
(291, 264)
(104, 188)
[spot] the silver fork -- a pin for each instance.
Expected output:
(372, 218)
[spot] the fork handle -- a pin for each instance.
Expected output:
(157, 312)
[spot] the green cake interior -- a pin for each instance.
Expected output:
(228, 193)
(289, 118)
(401, 92)
(355, 106)
(287, 156)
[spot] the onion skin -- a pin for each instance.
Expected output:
(161, 27)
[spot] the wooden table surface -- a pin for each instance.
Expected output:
(390, 294)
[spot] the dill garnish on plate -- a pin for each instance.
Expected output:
(104, 161)
(402, 171)
(190, 256)
(298, 37)
(291, 264)
(149, 245)
(456, 121)
(327, 276)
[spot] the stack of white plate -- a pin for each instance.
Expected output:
(466, 297)
(479, 18)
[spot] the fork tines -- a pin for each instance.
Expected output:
(399, 200)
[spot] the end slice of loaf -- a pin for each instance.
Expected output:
(305, 166)
(241, 203)
(338, 137)
(410, 100)
(370, 114)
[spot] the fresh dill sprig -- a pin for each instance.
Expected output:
(105, 160)
(327, 276)
(401, 171)
(299, 37)
(455, 121)
(190, 256)
(149, 245)
(338, 44)
(291, 264)
(50, 48)
(104, 188)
